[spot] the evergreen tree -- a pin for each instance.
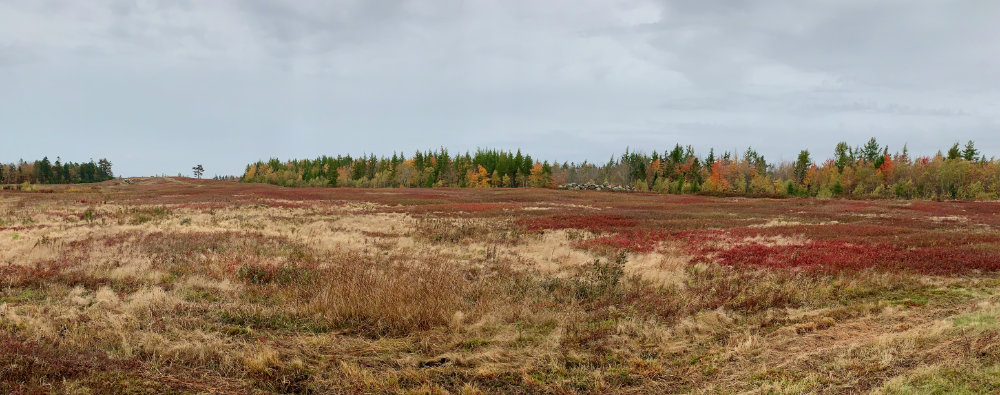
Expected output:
(358, 170)
(57, 171)
(871, 151)
(44, 168)
(970, 152)
(842, 156)
(954, 152)
(104, 169)
(801, 166)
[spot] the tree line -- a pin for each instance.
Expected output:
(58, 172)
(486, 168)
(868, 170)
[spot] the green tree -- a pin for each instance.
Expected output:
(331, 177)
(802, 165)
(44, 169)
(970, 152)
(198, 171)
(842, 155)
(871, 151)
(104, 169)
(954, 152)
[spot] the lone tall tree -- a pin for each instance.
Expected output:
(970, 152)
(198, 171)
(802, 166)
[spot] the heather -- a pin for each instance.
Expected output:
(180, 285)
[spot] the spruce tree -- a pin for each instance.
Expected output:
(871, 151)
(970, 153)
(842, 156)
(954, 152)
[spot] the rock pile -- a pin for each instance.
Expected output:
(597, 187)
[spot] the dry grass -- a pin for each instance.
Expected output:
(188, 286)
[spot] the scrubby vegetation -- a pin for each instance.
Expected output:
(190, 286)
(863, 172)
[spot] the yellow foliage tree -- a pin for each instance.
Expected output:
(539, 178)
(478, 178)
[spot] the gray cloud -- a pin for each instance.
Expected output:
(160, 85)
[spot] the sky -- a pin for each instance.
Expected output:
(160, 86)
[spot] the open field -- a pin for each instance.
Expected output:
(198, 286)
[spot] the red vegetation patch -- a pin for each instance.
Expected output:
(469, 209)
(697, 239)
(30, 367)
(826, 256)
(288, 204)
(36, 191)
(940, 260)
(42, 274)
(851, 206)
(947, 239)
(483, 206)
(597, 222)
(811, 255)
(824, 231)
(22, 228)
(634, 241)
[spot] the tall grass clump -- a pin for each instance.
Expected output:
(359, 295)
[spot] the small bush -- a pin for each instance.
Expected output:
(603, 280)
(144, 215)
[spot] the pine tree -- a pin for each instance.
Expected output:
(44, 169)
(801, 166)
(871, 151)
(842, 156)
(954, 152)
(970, 152)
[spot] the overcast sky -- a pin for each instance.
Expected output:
(159, 86)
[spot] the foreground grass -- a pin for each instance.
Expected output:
(235, 290)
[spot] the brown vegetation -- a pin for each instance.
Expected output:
(194, 286)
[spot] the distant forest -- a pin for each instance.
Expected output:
(46, 172)
(865, 171)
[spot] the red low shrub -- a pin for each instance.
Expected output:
(43, 274)
(596, 222)
(823, 255)
(634, 240)
(483, 206)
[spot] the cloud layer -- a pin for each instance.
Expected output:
(158, 86)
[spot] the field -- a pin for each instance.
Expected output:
(197, 286)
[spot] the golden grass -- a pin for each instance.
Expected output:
(345, 298)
